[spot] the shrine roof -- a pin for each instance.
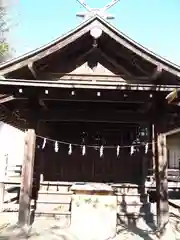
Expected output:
(141, 60)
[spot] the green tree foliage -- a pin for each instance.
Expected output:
(3, 30)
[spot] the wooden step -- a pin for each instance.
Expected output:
(41, 192)
(55, 197)
(52, 202)
(52, 207)
(10, 207)
(52, 213)
(132, 208)
(136, 218)
(126, 188)
(133, 191)
(135, 215)
(130, 198)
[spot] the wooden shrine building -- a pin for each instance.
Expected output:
(97, 88)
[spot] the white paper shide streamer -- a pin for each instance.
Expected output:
(56, 147)
(146, 148)
(101, 151)
(83, 150)
(132, 150)
(44, 143)
(70, 149)
(118, 150)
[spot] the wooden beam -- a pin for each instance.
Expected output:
(87, 95)
(32, 69)
(157, 72)
(27, 178)
(173, 131)
(145, 107)
(42, 104)
(89, 77)
(88, 116)
(139, 50)
(105, 84)
(128, 58)
(118, 66)
(46, 50)
(137, 65)
(67, 97)
(77, 59)
(6, 98)
(89, 99)
(35, 102)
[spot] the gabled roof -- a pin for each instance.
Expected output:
(80, 31)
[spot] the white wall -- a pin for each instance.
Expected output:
(11, 145)
(173, 147)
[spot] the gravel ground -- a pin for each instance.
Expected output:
(59, 228)
(46, 228)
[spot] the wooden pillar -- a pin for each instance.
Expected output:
(27, 178)
(2, 179)
(161, 180)
(154, 139)
(2, 192)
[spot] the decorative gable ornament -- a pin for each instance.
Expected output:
(96, 11)
(96, 32)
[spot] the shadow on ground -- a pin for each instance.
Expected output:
(141, 223)
(55, 232)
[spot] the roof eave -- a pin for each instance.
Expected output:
(32, 53)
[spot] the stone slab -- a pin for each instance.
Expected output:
(94, 217)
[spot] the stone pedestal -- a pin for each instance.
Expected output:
(94, 212)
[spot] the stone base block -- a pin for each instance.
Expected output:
(94, 217)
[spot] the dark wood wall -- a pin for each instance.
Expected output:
(63, 167)
(60, 166)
